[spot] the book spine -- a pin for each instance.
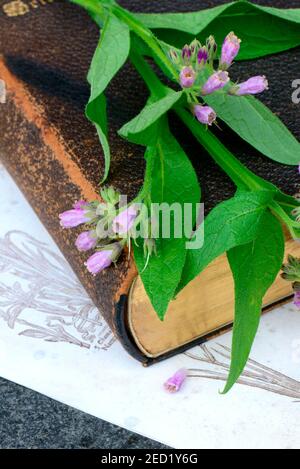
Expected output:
(44, 169)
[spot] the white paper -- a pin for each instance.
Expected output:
(52, 341)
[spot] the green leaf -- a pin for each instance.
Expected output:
(256, 124)
(254, 267)
(142, 128)
(111, 53)
(260, 28)
(232, 223)
(173, 181)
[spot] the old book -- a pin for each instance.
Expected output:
(53, 153)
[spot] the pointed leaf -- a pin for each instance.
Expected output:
(111, 53)
(232, 223)
(173, 181)
(142, 129)
(256, 124)
(254, 267)
(260, 28)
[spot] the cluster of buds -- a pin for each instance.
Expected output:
(291, 273)
(110, 226)
(195, 61)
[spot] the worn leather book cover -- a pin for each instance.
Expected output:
(54, 155)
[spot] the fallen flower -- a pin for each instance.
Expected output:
(175, 383)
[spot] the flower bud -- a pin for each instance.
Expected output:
(110, 196)
(194, 48)
(175, 383)
(230, 50)
(174, 56)
(215, 82)
(80, 204)
(254, 85)
(202, 56)
(187, 77)
(186, 54)
(211, 48)
(291, 270)
(149, 247)
(86, 241)
(205, 114)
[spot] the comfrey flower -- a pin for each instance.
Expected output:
(187, 77)
(123, 222)
(73, 218)
(103, 259)
(215, 82)
(80, 204)
(254, 85)
(196, 63)
(175, 383)
(230, 50)
(86, 241)
(108, 222)
(205, 114)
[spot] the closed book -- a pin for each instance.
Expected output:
(53, 153)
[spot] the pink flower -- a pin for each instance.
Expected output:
(80, 204)
(297, 299)
(215, 82)
(124, 221)
(73, 218)
(175, 383)
(254, 85)
(99, 261)
(86, 241)
(230, 50)
(103, 259)
(187, 77)
(205, 114)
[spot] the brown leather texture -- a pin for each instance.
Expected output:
(53, 152)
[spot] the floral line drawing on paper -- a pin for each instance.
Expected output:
(41, 297)
(255, 375)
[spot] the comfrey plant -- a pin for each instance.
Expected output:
(248, 227)
(198, 78)
(110, 226)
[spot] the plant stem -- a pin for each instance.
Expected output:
(147, 36)
(242, 177)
